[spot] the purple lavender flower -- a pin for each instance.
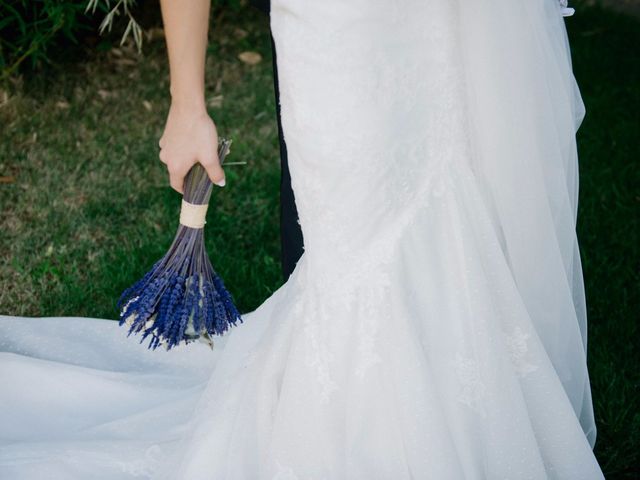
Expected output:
(182, 299)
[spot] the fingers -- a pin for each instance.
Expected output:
(176, 179)
(211, 164)
(180, 150)
(176, 172)
(162, 155)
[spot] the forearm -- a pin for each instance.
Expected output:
(186, 24)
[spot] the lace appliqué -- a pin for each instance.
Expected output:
(565, 9)
(285, 473)
(144, 467)
(472, 389)
(367, 333)
(518, 348)
(366, 349)
(318, 356)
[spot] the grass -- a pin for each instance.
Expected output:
(90, 209)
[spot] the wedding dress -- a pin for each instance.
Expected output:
(435, 326)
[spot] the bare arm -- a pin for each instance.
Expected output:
(190, 135)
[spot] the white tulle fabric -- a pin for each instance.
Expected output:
(435, 325)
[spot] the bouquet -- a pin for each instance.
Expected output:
(182, 299)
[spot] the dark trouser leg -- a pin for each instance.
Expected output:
(290, 231)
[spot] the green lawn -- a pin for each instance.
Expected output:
(91, 210)
(88, 208)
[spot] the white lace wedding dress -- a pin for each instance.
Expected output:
(435, 325)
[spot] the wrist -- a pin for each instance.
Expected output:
(188, 101)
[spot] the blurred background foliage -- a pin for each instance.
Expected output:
(38, 33)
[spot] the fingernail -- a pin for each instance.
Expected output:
(222, 182)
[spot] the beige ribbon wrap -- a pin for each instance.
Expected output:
(192, 215)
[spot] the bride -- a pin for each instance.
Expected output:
(435, 325)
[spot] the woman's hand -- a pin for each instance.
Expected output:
(190, 136)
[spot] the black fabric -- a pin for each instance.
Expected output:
(291, 240)
(290, 232)
(264, 5)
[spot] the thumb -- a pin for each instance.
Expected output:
(212, 165)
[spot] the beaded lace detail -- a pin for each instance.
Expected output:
(472, 388)
(518, 348)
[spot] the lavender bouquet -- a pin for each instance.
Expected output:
(182, 299)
